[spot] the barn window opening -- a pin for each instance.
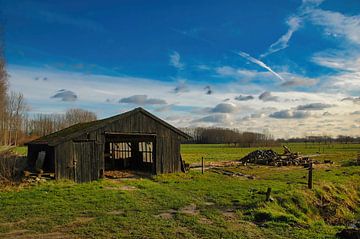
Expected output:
(120, 150)
(146, 149)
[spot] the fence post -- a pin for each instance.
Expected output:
(268, 193)
(202, 165)
(310, 177)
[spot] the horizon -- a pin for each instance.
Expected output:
(291, 68)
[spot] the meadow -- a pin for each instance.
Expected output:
(194, 205)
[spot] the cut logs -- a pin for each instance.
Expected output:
(270, 157)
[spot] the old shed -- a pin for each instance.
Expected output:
(135, 140)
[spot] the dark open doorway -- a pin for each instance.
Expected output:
(130, 152)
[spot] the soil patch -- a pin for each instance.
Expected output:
(189, 210)
(123, 188)
(204, 220)
(169, 214)
(118, 212)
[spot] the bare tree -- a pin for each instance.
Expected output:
(74, 116)
(43, 124)
(16, 110)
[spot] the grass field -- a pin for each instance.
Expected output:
(193, 205)
(192, 153)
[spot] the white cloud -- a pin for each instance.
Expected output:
(142, 100)
(355, 112)
(175, 61)
(181, 86)
(314, 106)
(290, 114)
(345, 82)
(355, 100)
(345, 61)
(337, 24)
(267, 96)
(294, 23)
(93, 90)
(240, 73)
(282, 43)
(215, 118)
(65, 95)
(224, 108)
(244, 98)
(293, 80)
(339, 60)
(203, 67)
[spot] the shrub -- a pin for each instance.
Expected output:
(11, 166)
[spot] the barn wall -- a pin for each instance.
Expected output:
(167, 147)
(65, 155)
(64, 161)
(167, 141)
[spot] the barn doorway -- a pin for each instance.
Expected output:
(135, 152)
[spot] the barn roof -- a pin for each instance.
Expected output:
(81, 128)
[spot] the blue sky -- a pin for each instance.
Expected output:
(285, 67)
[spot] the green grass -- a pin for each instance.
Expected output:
(223, 206)
(192, 153)
(21, 150)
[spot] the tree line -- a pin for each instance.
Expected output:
(236, 138)
(344, 139)
(232, 137)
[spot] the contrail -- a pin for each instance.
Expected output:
(240, 53)
(259, 63)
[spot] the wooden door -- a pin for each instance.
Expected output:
(86, 167)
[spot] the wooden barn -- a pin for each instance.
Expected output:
(135, 140)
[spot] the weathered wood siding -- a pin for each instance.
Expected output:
(64, 161)
(86, 163)
(167, 141)
(167, 148)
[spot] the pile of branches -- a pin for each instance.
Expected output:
(270, 157)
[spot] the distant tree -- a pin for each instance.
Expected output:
(43, 124)
(74, 116)
(16, 111)
(229, 136)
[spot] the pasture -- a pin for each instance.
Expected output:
(194, 205)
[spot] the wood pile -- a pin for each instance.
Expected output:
(38, 177)
(270, 157)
